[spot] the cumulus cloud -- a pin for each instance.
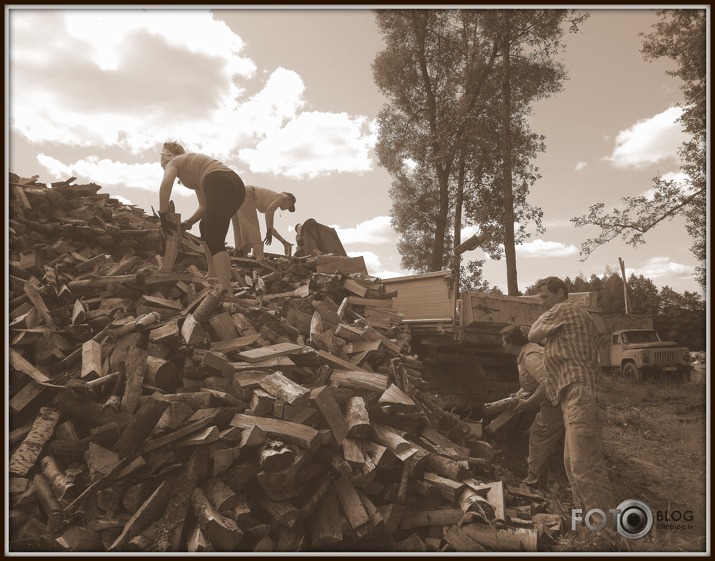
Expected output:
(374, 266)
(580, 165)
(131, 79)
(649, 141)
(657, 268)
(108, 172)
(314, 144)
(541, 248)
(374, 231)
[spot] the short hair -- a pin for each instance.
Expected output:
(553, 284)
(174, 148)
(512, 334)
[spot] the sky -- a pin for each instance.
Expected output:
(286, 98)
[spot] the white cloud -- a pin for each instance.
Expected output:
(541, 249)
(107, 172)
(374, 266)
(374, 231)
(314, 144)
(130, 79)
(123, 200)
(659, 268)
(580, 166)
(649, 141)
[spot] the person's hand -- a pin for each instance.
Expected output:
(525, 330)
(521, 405)
(287, 248)
(186, 225)
(269, 237)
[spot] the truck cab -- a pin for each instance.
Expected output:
(640, 353)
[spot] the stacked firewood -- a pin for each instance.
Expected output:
(151, 411)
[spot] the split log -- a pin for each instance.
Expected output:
(461, 541)
(100, 461)
(198, 421)
(172, 241)
(450, 489)
(435, 517)
(144, 516)
(506, 539)
(271, 351)
(24, 458)
(327, 526)
(275, 456)
(192, 332)
(135, 369)
(261, 402)
(141, 425)
(49, 502)
(290, 539)
(350, 502)
(317, 496)
(496, 407)
(323, 398)
(181, 484)
(357, 418)
(196, 542)
(209, 304)
(220, 495)
(359, 380)
(104, 435)
(499, 421)
(389, 438)
(447, 467)
(281, 512)
(295, 433)
(286, 390)
(58, 480)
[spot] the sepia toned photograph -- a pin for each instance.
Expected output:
(356, 280)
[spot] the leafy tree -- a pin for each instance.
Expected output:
(681, 318)
(471, 278)
(430, 72)
(681, 36)
(643, 295)
(446, 117)
(527, 41)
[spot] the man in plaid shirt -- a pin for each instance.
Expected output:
(573, 378)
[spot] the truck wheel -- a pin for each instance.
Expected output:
(632, 373)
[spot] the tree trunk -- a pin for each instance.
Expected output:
(509, 244)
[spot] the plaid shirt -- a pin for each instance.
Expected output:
(571, 348)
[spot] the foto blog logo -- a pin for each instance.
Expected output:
(632, 519)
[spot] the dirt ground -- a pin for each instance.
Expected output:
(655, 450)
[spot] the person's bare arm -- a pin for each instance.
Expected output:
(533, 401)
(167, 185)
(270, 212)
(199, 212)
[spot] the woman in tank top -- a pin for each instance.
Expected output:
(220, 192)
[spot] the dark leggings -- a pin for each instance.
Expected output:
(225, 194)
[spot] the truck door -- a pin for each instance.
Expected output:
(615, 351)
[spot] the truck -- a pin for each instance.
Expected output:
(639, 353)
(457, 338)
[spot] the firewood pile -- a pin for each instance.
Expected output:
(150, 411)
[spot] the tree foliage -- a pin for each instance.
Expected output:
(681, 36)
(439, 134)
